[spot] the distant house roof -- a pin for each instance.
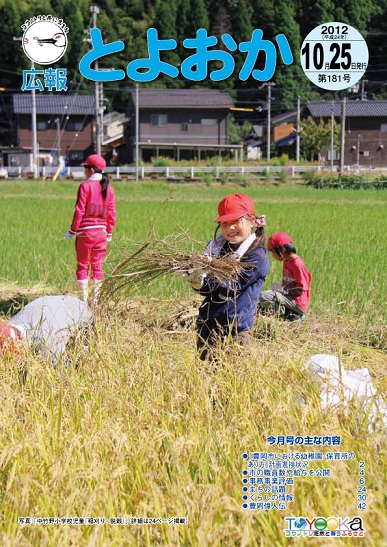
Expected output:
(182, 98)
(285, 117)
(286, 141)
(113, 127)
(255, 136)
(257, 130)
(54, 104)
(253, 143)
(366, 109)
(112, 117)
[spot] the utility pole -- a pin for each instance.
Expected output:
(35, 169)
(342, 131)
(35, 159)
(332, 133)
(57, 121)
(137, 130)
(94, 8)
(298, 136)
(34, 132)
(269, 86)
(101, 111)
(363, 96)
(358, 150)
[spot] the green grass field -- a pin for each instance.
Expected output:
(131, 430)
(338, 233)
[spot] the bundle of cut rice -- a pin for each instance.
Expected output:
(161, 257)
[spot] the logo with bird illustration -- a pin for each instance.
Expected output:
(44, 39)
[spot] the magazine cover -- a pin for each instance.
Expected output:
(193, 273)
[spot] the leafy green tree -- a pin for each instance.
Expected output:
(357, 14)
(262, 16)
(198, 18)
(377, 68)
(72, 13)
(165, 23)
(290, 79)
(312, 14)
(39, 7)
(241, 27)
(165, 20)
(241, 30)
(12, 59)
(317, 135)
(219, 18)
(183, 15)
(238, 132)
(129, 20)
(132, 8)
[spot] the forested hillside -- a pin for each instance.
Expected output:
(128, 20)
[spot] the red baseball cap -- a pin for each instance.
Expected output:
(8, 339)
(234, 206)
(277, 240)
(96, 161)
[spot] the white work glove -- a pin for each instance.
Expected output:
(277, 287)
(196, 277)
(109, 239)
(68, 235)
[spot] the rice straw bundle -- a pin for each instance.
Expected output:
(158, 258)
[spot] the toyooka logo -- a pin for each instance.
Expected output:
(320, 524)
(44, 39)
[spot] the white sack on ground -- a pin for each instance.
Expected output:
(337, 386)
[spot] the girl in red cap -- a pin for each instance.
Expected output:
(93, 223)
(229, 308)
(291, 299)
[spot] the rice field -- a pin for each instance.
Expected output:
(139, 428)
(338, 233)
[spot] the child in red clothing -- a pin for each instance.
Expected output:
(93, 223)
(291, 299)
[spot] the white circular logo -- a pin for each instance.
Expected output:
(334, 56)
(45, 39)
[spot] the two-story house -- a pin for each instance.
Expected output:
(365, 138)
(180, 123)
(64, 124)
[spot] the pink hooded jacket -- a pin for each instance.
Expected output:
(91, 210)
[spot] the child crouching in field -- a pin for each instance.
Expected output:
(46, 325)
(229, 308)
(291, 299)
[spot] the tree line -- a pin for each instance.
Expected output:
(129, 20)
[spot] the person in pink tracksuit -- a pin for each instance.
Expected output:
(93, 223)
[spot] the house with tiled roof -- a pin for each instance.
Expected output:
(282, 136)
(253, 143)
(365, 140)
(65, 125)
(181, 123)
